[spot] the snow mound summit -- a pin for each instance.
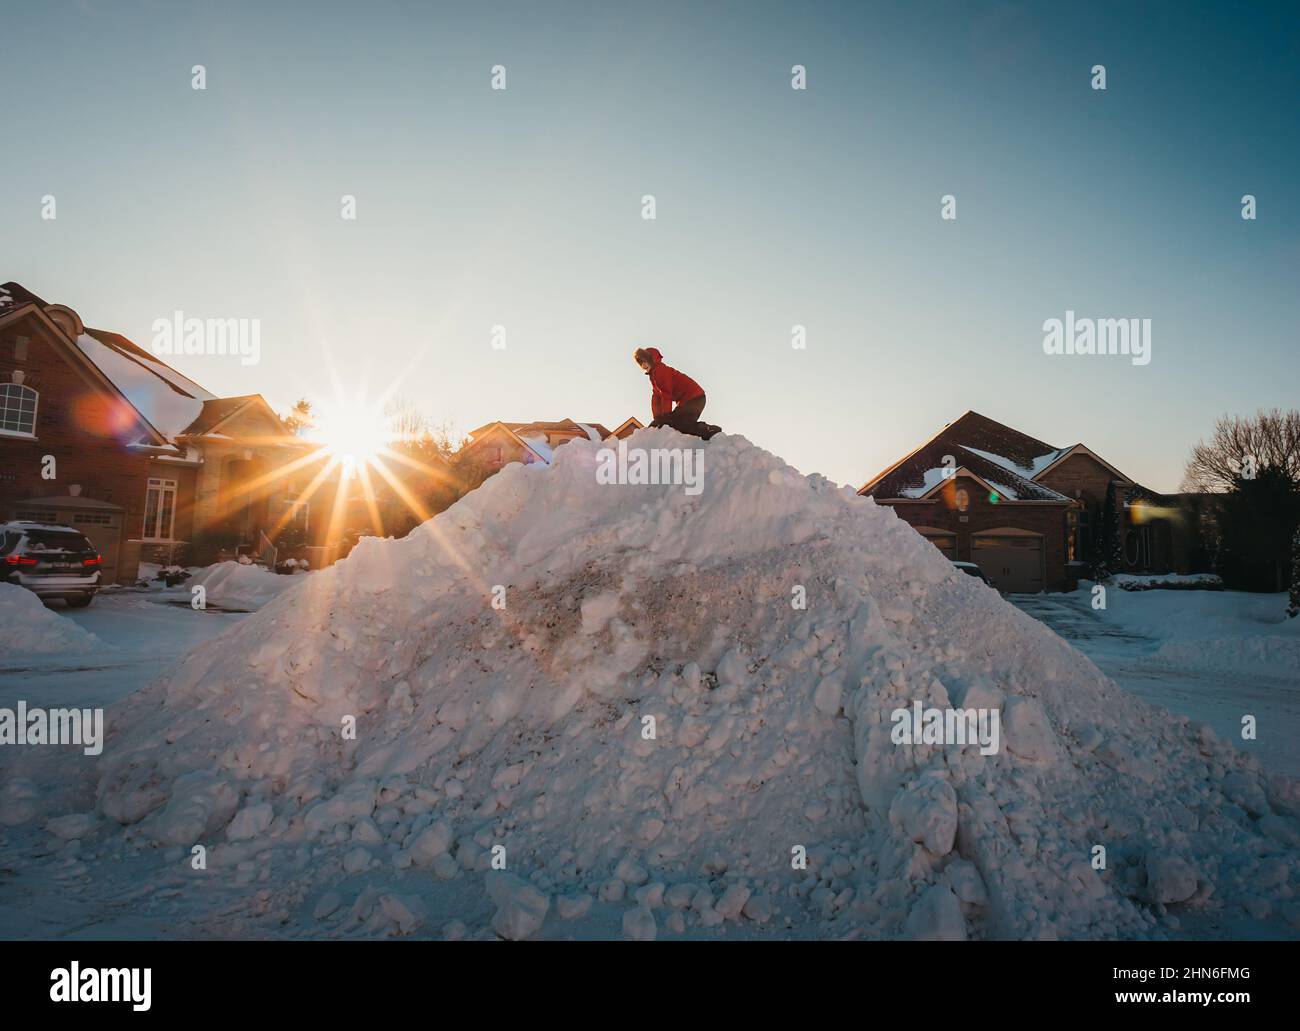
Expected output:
(681, 706)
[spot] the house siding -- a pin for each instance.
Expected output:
(983, 516)
(1080, 476)
(83, 428)
(1155, 535)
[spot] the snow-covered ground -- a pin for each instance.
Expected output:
(1214, 656)
(570, 708)
(232, 586)
(133, 638)
(137, 637)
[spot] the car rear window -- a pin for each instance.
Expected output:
(54, 540)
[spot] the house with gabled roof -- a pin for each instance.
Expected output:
(625, 429)
(1026, 512)
(496, 444)
(98, 433)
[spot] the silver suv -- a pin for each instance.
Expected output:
(52, 560)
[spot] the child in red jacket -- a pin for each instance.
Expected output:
(667, 386)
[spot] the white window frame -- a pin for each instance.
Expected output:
(163, 487)
(299, 508)
(36, 404)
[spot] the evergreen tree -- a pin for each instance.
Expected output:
(1115, 527)
(1258, 519)
(1293, 609)
(1108, 549)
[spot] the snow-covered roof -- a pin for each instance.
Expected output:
(167, 407)
(1008, 484)
(1006, 460)
(1028, 469)
(564, 427)
(170, 402)
(544, 450)
(153, 364)
(930, 479)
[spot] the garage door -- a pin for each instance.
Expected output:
(1012, 564)
(104, 531)
(947, 544)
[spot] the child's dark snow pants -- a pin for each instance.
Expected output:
(685, 418)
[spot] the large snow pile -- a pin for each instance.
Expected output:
(238, 586)
(27, 627)
(681, 697)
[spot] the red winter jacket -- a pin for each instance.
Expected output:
(668, 385)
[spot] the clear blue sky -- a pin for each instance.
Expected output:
(775, 207)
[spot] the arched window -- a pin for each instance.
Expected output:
(17, 409)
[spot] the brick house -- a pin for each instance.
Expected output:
(496, 444)
(98, 433)
(1025, 512)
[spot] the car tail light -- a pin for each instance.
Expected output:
(19, 560)
(90, 561)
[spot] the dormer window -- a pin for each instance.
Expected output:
(17, 410)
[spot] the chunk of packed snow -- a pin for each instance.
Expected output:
(936, 916)
(1170, 878)
(74, 825)
(201, 803)
(573, 907)
(733, 901)
(250, 822)
(927, 813)
(521, 907)
(430, 843)
(1027, 731)
(639, 925)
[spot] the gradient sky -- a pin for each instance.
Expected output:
(775, 207)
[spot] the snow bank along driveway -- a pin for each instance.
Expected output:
(27, 628)
(655, 737)
(1215, 656)
(1217, 631)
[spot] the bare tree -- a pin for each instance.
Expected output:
(406, 421)
(447, 438)
(1242, 447)
(415, 433)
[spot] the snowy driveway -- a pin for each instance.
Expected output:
(1217, 698)
(143, 636)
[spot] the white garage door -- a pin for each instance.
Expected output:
(1012, 564)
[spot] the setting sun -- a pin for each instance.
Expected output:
(353, 433)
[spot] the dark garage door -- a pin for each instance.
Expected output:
(947, 544)
(1012, 564)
